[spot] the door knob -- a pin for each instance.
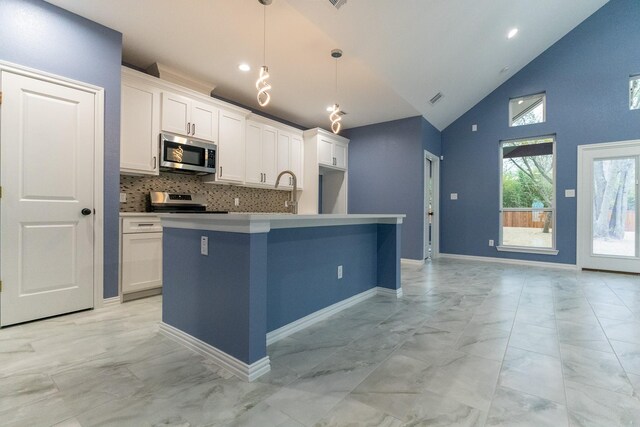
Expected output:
(85, 211)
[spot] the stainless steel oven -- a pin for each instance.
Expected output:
(187, 155)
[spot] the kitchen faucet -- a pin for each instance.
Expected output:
(294, 194)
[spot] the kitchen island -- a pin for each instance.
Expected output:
(234, 283)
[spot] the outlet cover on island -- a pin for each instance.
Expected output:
(204, 245)
(123, 197)
(454, 196)
(339, 272)
(236, 201)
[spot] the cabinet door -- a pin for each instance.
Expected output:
(269, 154)
(141, 262)
(254, 153)
(204, 121)
(340, 155)
(297, 159)
(175, 113)
(284, 158)
(140, 117)
(325, 151)
(231, 147)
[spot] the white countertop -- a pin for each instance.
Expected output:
(262, 223)
(125, 214)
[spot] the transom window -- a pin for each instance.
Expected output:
(527, 196)
(634, 92)
(527, 110)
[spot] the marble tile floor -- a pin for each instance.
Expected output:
(469, 344)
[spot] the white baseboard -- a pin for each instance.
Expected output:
(305, 322)
(389, 292)
(409, 261)
(237, 367)
(510, 261)
(110, 301)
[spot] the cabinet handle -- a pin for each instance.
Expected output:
(188, 128)
(220, 171)
(193, 129)
(265, 177)
(148, 224)
(154, 162)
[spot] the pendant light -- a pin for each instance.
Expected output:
(262, 84)
(336, 115)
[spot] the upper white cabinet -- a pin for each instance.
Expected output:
(231, 147)
(290, 157)
(325, 173)
(183, 115)
(331, 152)
(140, 127)
(261, 141)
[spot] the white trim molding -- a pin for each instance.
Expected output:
(397, 293)
(108, 302)
(409, 261)
(522, 262)
(527, 250)
(237, 367)
(313, 318)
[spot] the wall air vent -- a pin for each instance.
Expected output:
(338, 3)
(436, 98)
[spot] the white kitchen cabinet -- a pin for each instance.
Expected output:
(260, 154)
(140, 127)
(183, 115)
(231, 147)
(325, 173)
(290, 157)
(141, 254)
(332, 153)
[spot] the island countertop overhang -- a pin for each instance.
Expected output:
(263, 223)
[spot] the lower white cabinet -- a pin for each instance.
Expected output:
(141, 254)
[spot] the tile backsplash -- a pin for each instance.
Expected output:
(219, 197)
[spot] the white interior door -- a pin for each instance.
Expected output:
(47, 174)
(608, 207)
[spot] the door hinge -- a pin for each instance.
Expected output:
(0, 191)
(0, 285)
(0, 98)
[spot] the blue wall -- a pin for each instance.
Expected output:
(586, 78)
(35, 34)
(386, 173)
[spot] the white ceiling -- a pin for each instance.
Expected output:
(397, 53)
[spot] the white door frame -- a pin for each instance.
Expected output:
(98, 167)
(435, 225)
(583, 219)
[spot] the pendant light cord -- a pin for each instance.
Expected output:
(264, 35)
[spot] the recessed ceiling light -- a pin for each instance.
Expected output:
(512, 33)
(504, 69)
(244, 67)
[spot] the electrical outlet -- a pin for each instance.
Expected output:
(474, 128)
(454, 196)
(491, 242)
(236, 201)
(204, 245)
(286, 203)
(339, 272)
(123, 197)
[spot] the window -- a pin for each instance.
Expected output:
(527, 196)
(527, 110)
(634, 93)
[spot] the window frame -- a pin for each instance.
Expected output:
(553, 208)
(544, 109)
(632, 78)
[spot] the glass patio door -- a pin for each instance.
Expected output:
(608, 210)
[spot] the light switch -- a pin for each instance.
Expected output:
(123, 197)
(570, 193)
(454, 196)
(474, 128)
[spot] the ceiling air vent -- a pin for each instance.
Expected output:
(436, 98)
(338, 3)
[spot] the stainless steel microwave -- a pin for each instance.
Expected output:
(187, 155)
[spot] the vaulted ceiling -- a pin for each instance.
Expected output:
(398, 54)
